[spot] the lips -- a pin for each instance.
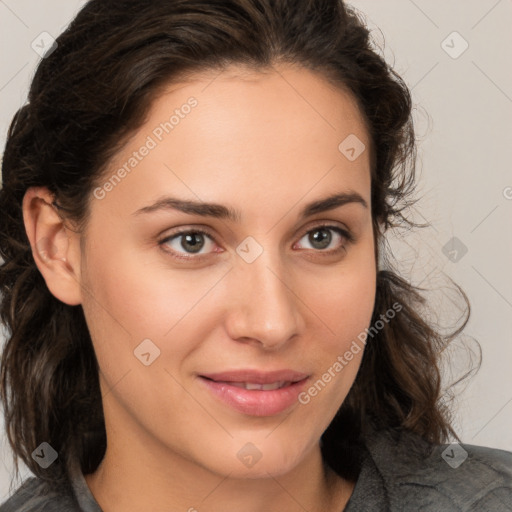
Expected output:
(256, 376)
(255, 392)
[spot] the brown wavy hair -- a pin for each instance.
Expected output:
(87, 97)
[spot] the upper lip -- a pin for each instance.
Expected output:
(256, 376)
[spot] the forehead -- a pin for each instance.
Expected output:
(300, 92)
(227, 135)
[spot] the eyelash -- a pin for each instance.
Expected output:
(349, 237)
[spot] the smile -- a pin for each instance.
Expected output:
(255, 393)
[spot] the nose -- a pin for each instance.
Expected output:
(265, 309)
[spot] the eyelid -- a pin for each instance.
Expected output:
(347, 233)
(328, 225)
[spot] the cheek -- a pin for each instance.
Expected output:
(116, 306)
(133, 298)
(138, 295)
(345, 301)
(344, 304)
(343, 307)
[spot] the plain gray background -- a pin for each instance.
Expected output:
(455, 56)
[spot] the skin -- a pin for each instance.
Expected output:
(265, 144)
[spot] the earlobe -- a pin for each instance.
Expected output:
(54, 247)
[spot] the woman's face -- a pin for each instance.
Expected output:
(266, 295)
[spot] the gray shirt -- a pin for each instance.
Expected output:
(395, 475)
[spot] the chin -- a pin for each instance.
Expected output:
(253, 461)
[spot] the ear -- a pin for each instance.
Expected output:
(55, 248)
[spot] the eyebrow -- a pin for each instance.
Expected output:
(220, 211)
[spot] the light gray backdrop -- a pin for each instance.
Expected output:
(455, 55)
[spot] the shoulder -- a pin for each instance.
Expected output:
(458, 477)
(35, 495)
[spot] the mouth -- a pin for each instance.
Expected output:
(256, 393)
(261, 387)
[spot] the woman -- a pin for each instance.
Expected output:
(181, 335)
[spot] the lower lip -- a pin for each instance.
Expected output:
(256, 402)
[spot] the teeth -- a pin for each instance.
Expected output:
(263, 387)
